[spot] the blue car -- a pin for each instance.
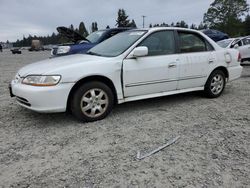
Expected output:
(215, 35)
(80, 44)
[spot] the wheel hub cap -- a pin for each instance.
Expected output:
(94, 102)
(217, 84)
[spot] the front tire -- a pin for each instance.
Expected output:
(215, 84)
(92, 101)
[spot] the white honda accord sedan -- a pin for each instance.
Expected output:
(133, 65)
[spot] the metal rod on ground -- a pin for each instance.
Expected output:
(170, 142)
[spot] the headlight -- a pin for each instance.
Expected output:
(63, 49)
(36, 80)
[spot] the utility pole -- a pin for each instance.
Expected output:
(143, 20)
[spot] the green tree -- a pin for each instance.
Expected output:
(225, 15)
(193, 26)
(246, 25)
(122, 19)
(202, 26)
(132, 24)
(71, 27)
(24, 42)
(82, 29)
(94, 27)
(164, 25)
(183, 24)
(177, 24)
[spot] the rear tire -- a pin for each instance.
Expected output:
(92, 101)
(215, 84)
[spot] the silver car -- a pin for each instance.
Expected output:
(242, 44)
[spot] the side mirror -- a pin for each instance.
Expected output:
(140, 51)
(236, 46)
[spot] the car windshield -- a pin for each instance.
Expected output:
(118, 44)
(224, 43)
(94, 37)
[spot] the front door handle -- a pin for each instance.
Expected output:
(210, 61)
(172, 65)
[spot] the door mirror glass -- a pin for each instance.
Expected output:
(140, 51)
(236, 46)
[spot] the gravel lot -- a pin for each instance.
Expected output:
(55, 150)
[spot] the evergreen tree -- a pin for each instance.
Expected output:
(177, 24)
(133, 24)
(150, 26)
(202, 26)
(24, 42)
(52, 39)
(122, 19)
(107, 27)
(164, 25)
(246, 25)
(94, 27)
(71, 27)
(193, 26)
(183, 24)
(82, 30)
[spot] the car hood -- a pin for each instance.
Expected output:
(55, 64)
(70, 34)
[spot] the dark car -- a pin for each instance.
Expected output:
(80, 44)
(215, 35)
(16, 51)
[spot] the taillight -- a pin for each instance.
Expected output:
(239, 57)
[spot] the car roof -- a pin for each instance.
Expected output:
(151, 30)
(118, 28)
(167, 28)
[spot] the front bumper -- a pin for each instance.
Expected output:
(42, 99)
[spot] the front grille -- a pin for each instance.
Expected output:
(23, 101)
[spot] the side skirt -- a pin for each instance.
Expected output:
(141, 97)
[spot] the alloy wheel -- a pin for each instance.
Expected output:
(217, 84)
(94, 102)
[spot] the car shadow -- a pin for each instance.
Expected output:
(159, 103)
(156, 103)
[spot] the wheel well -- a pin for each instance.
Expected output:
(224, 70)
(102, 79)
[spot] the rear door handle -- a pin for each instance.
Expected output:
(172, 65)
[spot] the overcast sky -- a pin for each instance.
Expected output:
(41, 17)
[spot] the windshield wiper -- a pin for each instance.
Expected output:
(93, 53)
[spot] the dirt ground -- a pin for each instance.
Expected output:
(55, 150)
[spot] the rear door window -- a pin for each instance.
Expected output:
(192, 42)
